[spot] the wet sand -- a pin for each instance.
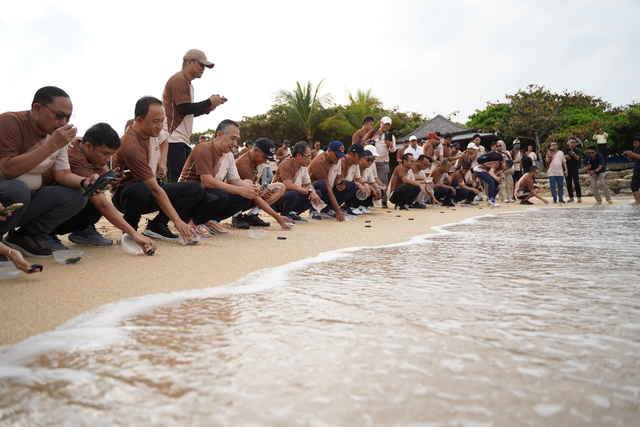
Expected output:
(37, 303)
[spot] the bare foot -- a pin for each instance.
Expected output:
(597, 203)
(610, 202)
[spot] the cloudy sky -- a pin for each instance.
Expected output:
(425, 56)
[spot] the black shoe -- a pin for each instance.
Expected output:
(402, 207)
(157, 230)
(418, 205)
(295, 217)
(50, 241)
(385, 206)
(525, 202)
(27, 246)
(239, 222)
(448, 203)
(256, 221)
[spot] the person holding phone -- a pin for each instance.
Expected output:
(91, 155)
(385, 143)
(31, 143)
(556, 172)
(180, 109)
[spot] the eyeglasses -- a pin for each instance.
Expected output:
(307, 156)
(59, 115)
(369, 160)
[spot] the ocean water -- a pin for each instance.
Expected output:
(529, 318)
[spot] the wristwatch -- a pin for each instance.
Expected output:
(309, 191)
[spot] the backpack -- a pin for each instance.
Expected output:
(491, 156)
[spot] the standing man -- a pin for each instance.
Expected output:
(516, 156)
(31, 143)
(413, 148)
(180, 109)
(634, 156)
(572, 155)
(401, 151)
(385, 143)
(138, 192)
(361, 136)
(317, 150)
(429, 149)
(594, 165)
(556, 171)
(601, 139)
(283, 152)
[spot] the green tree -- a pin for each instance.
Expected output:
(348, 119)
(304, 106)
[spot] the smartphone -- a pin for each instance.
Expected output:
(388, 136)
(264, 186)
(11, 208)
(102, 182)
(122, 172)
(272, 191)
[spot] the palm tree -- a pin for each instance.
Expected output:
(303, 106)
(350, 118)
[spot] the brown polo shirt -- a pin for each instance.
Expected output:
(133, 154)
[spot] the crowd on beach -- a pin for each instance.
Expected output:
(53, 182)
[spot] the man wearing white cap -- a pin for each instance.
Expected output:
(180, 109)
(385, 143)
(413, 148)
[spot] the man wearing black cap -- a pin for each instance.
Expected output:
(324, 172)
(180, 109)
(250, 167)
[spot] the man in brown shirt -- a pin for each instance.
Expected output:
(249, 168)
(89, 156)
(283, 152)
(401, 151)
(31, 143)
(317, 149)
(138, 191)
(180, 109)
(443, 189)
(324, 172)
(293, 173)
(403, 187)
(464, 192)
(361, 136)
(429, 147)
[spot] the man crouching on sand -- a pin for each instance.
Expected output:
(526, 188)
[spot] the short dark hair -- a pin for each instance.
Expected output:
(593, 147)
(300, 148)
(368, 119)
(466, 165)
(46, 95)
(405, 157)
(102, 134)
(444, 162)
(573, 138)
(223, 126)
(143, 104)
(421, 157)
(533, 169)
(477, 135)
(509, 163)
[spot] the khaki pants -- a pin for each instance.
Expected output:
(595, 178)
(506, 189)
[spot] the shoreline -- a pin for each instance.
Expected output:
(32, 304)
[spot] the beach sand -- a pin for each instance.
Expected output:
(37, 303)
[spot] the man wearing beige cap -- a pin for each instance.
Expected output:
(180, 109)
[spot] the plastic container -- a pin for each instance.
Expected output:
(289, 223)
(129, 245)
(67, 257)
(8, 271)
(194, 241)
(319, 205)
(348, 217)
(257, 234)
(360, 195)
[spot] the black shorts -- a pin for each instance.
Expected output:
(635, 183)
(524, 195)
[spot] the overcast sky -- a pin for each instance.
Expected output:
(424, 56)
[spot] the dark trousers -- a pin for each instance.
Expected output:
(404, 195)
(176, 156)
(516, 176)
(235, 204)
(464, 194)
(213, 201)
(292, 201)
(86, 217)
(444, 195)
(602, 149)
(341, 196)
(44, 209)
(573, 177)
(136, 199)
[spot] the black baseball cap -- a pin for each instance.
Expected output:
(267, 147)
(358, 149)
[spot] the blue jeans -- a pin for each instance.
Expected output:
(559, 181)
(492, 191)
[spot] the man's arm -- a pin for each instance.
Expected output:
(333, 201)
(106, 208)
(13, 167)
(165, 205)
(161, 171)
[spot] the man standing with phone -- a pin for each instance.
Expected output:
(556, 171)
(180, 109)
(385, 143)
(31, 143)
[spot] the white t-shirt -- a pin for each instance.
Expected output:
(228, 170)
(555, 167)
(302, 178)
(57, 161)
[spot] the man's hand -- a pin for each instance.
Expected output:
(217, 100)
(187, 233)
(284, 222)
(314, 197)
(249, 191)
(62, 136)
(339, 215)
(161, 171)
(144, 242)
